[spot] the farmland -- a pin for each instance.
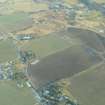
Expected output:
(7, 51)
(14, 22)
(71, 2)
(62, 64)
(88, 87)
(30, 6)
(42, 41)
(100, 1)
(47, 45)
(11, 95)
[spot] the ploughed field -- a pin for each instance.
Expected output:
(86, 52)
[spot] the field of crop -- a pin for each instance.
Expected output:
(89, 87)
(100, 1)
(7, 51)
(47, 45)
(87, 37)
(71, 2)
(62, 65)
(30, 6)
(11, 95)
(14, 21)
(13, 18)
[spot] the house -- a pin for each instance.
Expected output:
(24, 37)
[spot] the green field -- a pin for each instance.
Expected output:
(14, 21)
(89, 87)
(100, 1)
(11, 95)
(13, 18)
(7, 51)
(47, 45)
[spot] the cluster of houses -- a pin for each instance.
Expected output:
(24, 37)
(6, 72)
(51, 94)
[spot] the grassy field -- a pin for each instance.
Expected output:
(62, 65)
(13, 18)
(71, 2)
(89, 87)
(47, 45)
(14, 21)
(11, 95)
(87, 37)
(21, 6)
(100, 1)
(7, 51)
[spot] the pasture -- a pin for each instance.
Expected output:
(10, 94)
(7, 51)
(89, 87)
